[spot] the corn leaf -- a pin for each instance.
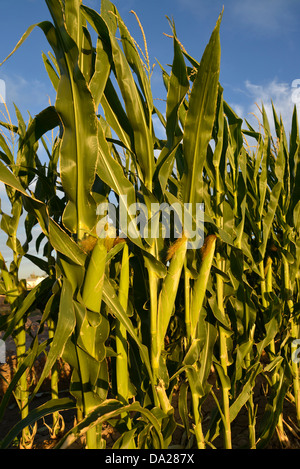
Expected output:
(105, 411)
(78, 156)
(51, 406)
(143, 145)
(200, 118)
(65, 326)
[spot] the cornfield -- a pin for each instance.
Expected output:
(152, 327)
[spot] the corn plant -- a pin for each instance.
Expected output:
(14, 288)
(140, 317)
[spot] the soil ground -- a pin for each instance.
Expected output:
(42, 439)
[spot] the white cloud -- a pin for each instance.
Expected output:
(279, 93)
(238, 109)
(31, 95)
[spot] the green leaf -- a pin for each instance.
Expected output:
(53, 405)
(7, 156)
(39, 291)
(246, 391)
(116, 116)
(7, 177)
(271, 329)
(143, 145)
(26, 364)
(108, 410)
(200, 118)
(64, 328)
(112, 301)
(79, 146)
(273, 408)
(102, 70)
(46, 120)
(41, 263)
(134, 60)
(183, 406)
(110, 171)
(126, 440)
(177, 90)
(62, 243)
(52, 73)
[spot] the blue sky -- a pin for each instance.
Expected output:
(259, 42)
(259, 39)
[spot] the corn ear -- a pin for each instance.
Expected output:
(93, 283)
(200, 285)
(169, 289)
